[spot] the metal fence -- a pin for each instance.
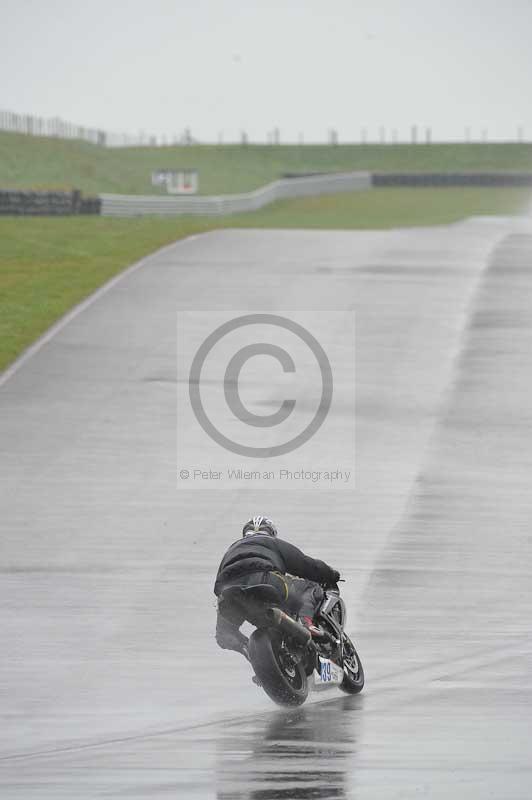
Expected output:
(58, 128)
(61, 129)
(119, 205)
(41, 126)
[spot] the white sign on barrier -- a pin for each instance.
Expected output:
(177, 181)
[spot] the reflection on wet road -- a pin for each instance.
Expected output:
(307, 753)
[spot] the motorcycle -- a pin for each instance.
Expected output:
(286, 659)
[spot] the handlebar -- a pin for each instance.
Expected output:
(333, 586)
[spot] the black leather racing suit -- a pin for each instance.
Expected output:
(261, 558)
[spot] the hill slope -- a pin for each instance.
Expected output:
(33, 162)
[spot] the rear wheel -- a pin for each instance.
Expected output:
(283, 678)
(353, 680)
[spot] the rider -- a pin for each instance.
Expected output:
(261, 557)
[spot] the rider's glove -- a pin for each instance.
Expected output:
(335, 577)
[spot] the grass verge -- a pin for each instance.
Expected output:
(36, 162)
(47, 265)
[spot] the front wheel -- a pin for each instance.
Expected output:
(283, 678)
(353, 680)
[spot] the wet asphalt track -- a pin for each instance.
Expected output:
(111, 684)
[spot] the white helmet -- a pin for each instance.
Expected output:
(259, 525)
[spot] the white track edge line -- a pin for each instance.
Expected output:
(78, 309)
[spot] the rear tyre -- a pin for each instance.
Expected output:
(353, 681)
(283, 679)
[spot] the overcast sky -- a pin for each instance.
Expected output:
(227, 65)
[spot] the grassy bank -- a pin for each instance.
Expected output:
(33, 162)
(385, 208)
(47, 265)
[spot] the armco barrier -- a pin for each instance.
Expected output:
(17, 203)
(452, 179)
(117, 205)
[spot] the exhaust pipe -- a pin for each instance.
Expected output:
(279, 619)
